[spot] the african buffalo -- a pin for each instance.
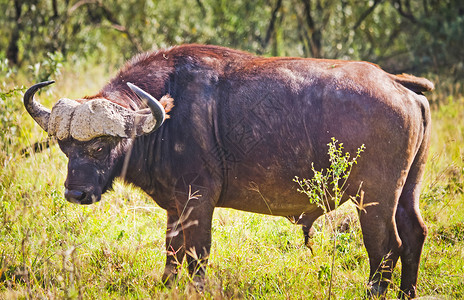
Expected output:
(243, 122)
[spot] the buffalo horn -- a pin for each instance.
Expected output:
(155, 106)
(37, 111)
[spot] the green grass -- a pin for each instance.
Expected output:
(114, 249)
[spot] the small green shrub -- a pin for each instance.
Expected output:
(329, 186)
(326, 189)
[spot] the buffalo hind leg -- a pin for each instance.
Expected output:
(412, 231)
(382, 243)
(175, 250)
(308, 232)
(411, 227)
(307, 220)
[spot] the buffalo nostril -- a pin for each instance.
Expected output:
(74, 195)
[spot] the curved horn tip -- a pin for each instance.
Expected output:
(155, 106)
(140, 92)
(131, 85)
(151, 101)
(44, 83)
(48, 82)
(134, 88)
(33, 89)
(39, 113)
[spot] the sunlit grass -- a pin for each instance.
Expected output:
(115, 249)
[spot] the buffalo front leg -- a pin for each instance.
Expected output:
(196, 196)
(196, 225)
(175, 250)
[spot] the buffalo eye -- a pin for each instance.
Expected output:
(98, 152)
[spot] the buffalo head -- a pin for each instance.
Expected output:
(95, 136)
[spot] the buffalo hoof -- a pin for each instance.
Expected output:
(199, 284)
(376, 290)
(169, 277)
(407, 294)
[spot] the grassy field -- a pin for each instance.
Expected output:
(115, 249)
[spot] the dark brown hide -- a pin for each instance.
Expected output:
(243, 123)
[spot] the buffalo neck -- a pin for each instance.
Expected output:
(146, 164)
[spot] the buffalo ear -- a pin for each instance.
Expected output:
(168, 103)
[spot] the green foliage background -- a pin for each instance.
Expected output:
(114, 249)
(420, 36)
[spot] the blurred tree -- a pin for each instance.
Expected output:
(437, 30)
(401, 35)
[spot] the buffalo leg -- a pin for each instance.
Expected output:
(411, 227)
(308, 233)
(382, 243)
(175, 250)
(307, 220)
(412, 231)
(197, 239)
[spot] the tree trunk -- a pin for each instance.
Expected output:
(12, 52)
(315, 34)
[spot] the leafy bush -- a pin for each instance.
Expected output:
(9, 122)
(326, 189)
(48, 68)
